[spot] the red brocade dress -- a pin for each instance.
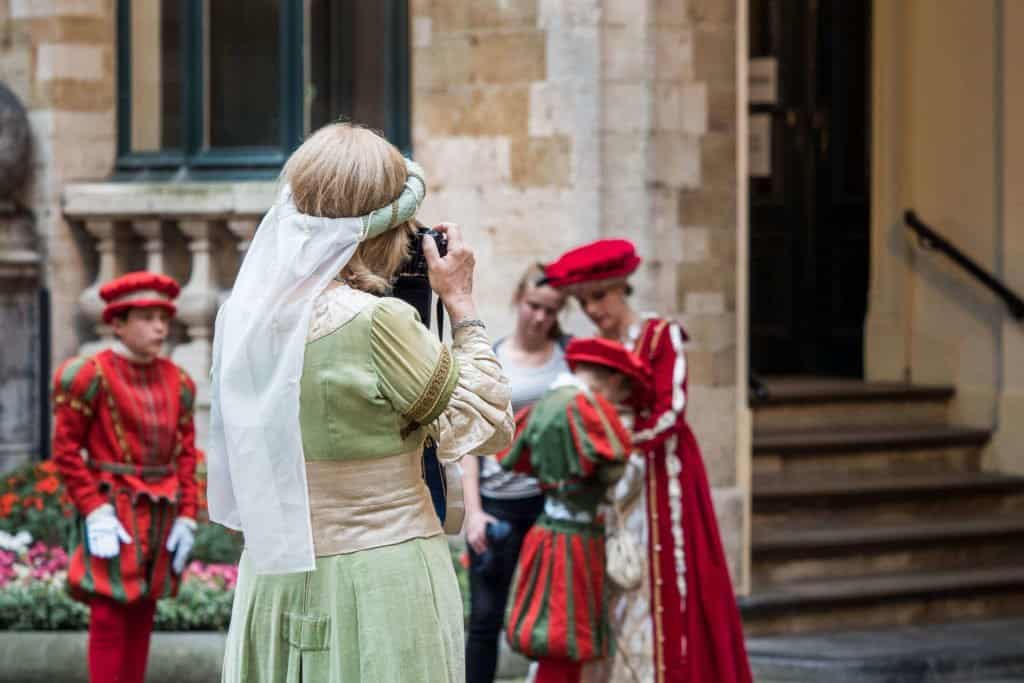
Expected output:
(124, 436)
(697, 634)
(574, 444)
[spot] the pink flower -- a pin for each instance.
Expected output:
(213, 575)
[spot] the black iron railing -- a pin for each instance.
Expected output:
(928, 238)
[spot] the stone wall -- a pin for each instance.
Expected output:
(58, 57)
(958, 166)
(1007, 452)
(543, 124)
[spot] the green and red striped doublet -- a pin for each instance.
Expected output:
(572, 441)
(134, 422)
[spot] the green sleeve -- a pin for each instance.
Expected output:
(416, 372)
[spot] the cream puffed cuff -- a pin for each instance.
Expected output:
(478, 419)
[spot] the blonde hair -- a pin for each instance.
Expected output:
(581, 289)
(346, 170)
(528, 282)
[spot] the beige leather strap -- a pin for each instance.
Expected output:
(455, 503)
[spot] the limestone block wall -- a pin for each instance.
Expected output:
(543, 124)
(58, 57)
(505, 121)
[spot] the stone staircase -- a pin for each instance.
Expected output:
(870, 509)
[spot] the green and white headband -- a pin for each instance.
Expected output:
(402, 209)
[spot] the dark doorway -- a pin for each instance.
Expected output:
(809, 186)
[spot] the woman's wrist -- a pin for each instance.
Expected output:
(461, 307)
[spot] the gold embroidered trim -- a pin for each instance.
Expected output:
(427, 402)
(73, 403)
(115, 415)
(187, 409)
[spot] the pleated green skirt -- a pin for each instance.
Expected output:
(384, 615)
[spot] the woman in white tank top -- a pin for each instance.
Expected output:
(500, 504)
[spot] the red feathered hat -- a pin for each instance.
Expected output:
(610, 354)
(600, 260)
(141, 289)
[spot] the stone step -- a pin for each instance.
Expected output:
(802, 402)
(824, 540)
(883, 498)
(886, 599)
(779, 489)
(854, 449)
(794, 554)
(973, 652)
(858, 439)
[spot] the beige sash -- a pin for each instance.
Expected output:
(360, 504)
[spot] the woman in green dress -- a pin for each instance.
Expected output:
(325, 391)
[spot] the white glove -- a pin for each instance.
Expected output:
(180, 542)
(104, 533)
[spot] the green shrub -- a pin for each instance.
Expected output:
(197, 607)
(40, 606)
(216, 544)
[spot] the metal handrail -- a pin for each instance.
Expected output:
(929, 239)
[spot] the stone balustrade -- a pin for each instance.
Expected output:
(195, 232)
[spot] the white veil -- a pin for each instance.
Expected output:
(256, 468)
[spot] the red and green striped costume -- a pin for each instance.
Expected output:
(135, 423)
(572, 441)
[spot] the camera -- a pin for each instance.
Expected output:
(416, 264)
(412, 286)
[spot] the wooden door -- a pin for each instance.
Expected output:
(809, 193)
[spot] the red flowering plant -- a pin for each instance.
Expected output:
(33, 499)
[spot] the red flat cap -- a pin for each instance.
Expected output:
(610, 354)
(140, 289)
(600, 260)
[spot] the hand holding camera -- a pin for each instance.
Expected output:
(451, 274)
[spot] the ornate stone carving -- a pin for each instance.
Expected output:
(151, 232)
(14, 143)
(19, 255)
(89, 300)
(197, 308)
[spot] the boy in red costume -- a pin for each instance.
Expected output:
(124, 444)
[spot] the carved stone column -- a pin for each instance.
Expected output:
(104, 230)
(151, 231)
(244, 229)
(197, 308)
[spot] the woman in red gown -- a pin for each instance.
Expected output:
(696, 632)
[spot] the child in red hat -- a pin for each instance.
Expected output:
(695, 626)
(124, 444)
(573, 442)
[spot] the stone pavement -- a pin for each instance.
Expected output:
(979, 652)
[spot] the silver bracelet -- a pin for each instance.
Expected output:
(468, 322)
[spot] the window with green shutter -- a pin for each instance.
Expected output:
(222, 88)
